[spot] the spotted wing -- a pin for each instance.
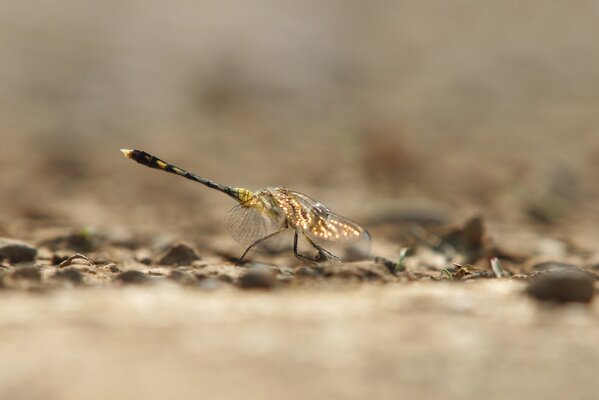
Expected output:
(334, 228)
(325, 227)
(248, 224)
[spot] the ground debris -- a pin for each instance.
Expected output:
(71, 259)
(466, 272)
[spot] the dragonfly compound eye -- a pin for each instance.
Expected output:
(320, 209)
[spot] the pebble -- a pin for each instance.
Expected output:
(555, 266)
(16, 251)
(143, 256)
(225, 278)
(70, 274)
(305, 272)
(82, 240)
(258, 278)
(182, 277)
(562, 287)
(132, 277)
(28, 273)
(113, 268)
(179, 254)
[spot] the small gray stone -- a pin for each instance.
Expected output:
(143, 256)
(132, 277)
(224, 278)
(555, 266)
(28, 273)
(562, 287)
(178, 254)
(70, 274)
(305, 272)
(258, 278)
(16, 251)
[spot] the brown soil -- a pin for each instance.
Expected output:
(465, 135)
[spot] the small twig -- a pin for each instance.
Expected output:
(446, 272)
(76, 256)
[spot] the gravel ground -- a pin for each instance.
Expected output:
(465, 134)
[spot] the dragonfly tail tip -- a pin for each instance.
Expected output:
(127, 152)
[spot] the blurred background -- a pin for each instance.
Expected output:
(376, 109)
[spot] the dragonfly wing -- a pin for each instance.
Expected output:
(333, 231)
(328, 229)
(334, 228)
(248, 224)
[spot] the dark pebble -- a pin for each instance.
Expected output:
(16, 251)
(83, 240)
(178, 254)
(258, 278)
(133, 277)
(305, 272)
(177, 275)
(143, 256)
(225, 278)
(70, 274)
(113, 268)
(562, 287)
(182, 277)
(27, 273)
(552, 266)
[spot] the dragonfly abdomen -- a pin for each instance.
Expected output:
(151, 161)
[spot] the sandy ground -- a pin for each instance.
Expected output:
(461, 132)
(422, 340)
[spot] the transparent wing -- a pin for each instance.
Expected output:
(247, 224)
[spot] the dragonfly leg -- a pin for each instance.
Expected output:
(323, 255)
(301, 256)
(257, 242)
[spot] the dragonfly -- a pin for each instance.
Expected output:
(261, 215)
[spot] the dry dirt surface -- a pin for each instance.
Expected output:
(463, 137)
